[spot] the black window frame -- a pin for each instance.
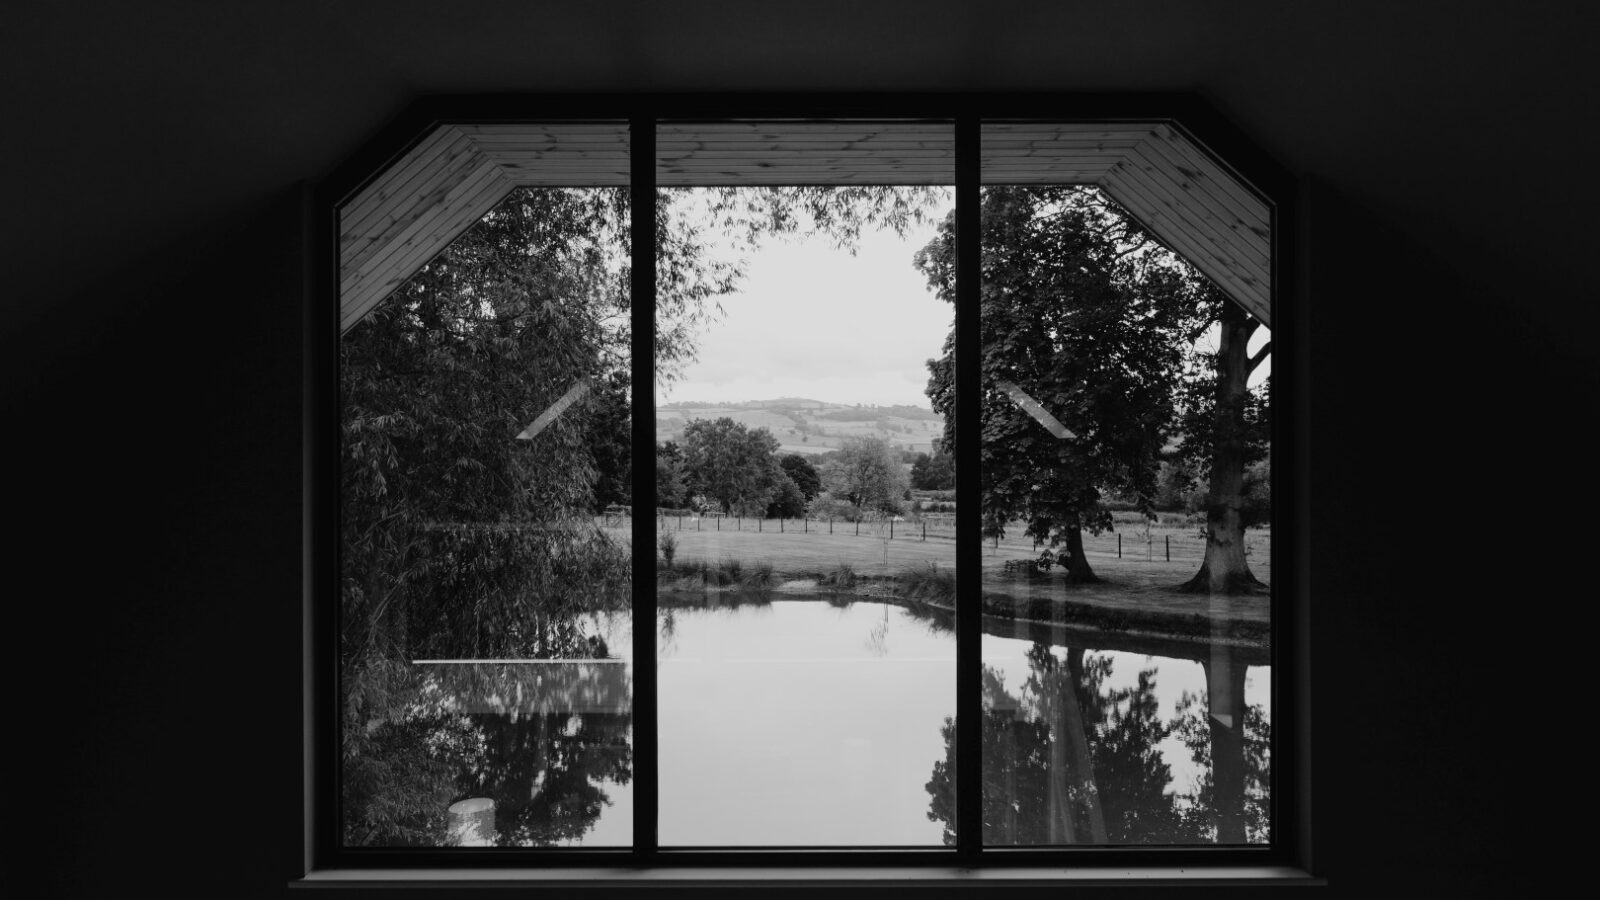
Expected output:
(1286, 858)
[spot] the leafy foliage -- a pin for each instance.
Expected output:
(460, 540)
(1037, 787)
(867, 472)
(1083, 313)
(802, 473)
(732, 464)
(934, 472)
(672, 489)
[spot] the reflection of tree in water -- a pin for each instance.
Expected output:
(877, 642)
(544, 771)
(1068, 760)
(1230, 801)
(538, 740)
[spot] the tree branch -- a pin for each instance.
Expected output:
(1260, 355)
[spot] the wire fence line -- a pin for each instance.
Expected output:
(1158, 543)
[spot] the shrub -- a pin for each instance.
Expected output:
(929, 583)
(759, 577)
(669, 547)
(827, 506)
(843, 576)
(728, 571)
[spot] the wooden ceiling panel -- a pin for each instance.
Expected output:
(1208, 222)
(458, 172)
(587, 154)
(415, 218)
(1176, 227)
(1166, 181)
(703, 154)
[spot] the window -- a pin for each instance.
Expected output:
(514, 469)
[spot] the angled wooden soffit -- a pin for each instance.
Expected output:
(448, 180)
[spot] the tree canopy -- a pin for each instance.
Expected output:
(731, 464)
(867, 472)
(1083, 325)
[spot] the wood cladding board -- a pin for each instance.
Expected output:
(1176, 228)
(1059, 153)
(1163, 179)
(704, 154)
(566, 154)
(456, 173)
(419, 214)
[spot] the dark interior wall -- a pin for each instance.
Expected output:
(154, 259)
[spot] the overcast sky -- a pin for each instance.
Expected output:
(811, 321)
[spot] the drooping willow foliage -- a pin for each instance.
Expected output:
(485, 416)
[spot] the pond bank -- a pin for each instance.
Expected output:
(1134, 609)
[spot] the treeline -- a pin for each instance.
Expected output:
(727, 467)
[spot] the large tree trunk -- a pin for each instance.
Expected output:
(1225, 569)
(1077, 564)
(1226, 707)
(1073, 733)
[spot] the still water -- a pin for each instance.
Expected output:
(807, 722)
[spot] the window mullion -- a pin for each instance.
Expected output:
(969, 560)
(646, 752)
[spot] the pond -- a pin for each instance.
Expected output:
(816, 722)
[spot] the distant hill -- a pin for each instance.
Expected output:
(803, 425)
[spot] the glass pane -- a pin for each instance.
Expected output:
(806, 518)
(485, 555)
(1126, 555)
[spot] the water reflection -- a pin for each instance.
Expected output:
(540, 748)
(796, 722)
(1072, 756)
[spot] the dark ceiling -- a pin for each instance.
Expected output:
(133, 127)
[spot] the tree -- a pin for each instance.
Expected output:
(1082, 325)
(672, 491)
(1226, 430)
(935, 472)
(731, 464)
(867, 472)
(611, 442)
(458, 539)
(787, 500)
(802, 473)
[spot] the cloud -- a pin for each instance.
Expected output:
(817, 322)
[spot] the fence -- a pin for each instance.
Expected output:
(1158, 543)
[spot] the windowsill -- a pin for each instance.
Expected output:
(839, 876)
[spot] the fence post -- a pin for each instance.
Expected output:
(806, 525)
(780, 524)
(680, 523)
(924, 530)
(891, 528)
(830, 524)
(1169, 548)
(1119, 546)
(719, 523)
(858, 528)
(738, 523)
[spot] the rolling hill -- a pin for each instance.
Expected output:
(811, 426)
